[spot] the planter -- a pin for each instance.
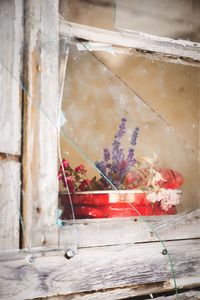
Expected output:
(110, 204)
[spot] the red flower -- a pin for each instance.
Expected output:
(129, 178)
(68, 181)
(60, 175)
(172, 179)
(65, 163)
(80, 169)
(84, 185)
(132, 180)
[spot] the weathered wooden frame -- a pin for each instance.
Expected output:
(11, 35)
(113, 267)
(166, 49)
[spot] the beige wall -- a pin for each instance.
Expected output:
(98, 92)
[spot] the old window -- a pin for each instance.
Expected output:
(83, 75)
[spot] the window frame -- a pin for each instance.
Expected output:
(44, 241)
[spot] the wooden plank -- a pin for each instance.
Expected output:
(134, 292)
(30, 275)
(168, 47)
(102, 232)
(11, 36)
(116, 231)
(9, 204)
(190, 295)
(94, 47)
(41, 114)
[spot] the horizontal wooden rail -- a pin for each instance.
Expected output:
(28, 275)
(135, 292)
(119, 231)
(177, 49)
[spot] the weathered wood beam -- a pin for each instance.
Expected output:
(190, 295)
(11, 37)
(135, 292)
(116, 231)
(40, 186)
(93, 47)
(179, 50)
(11, 49)
(28, 275)
(9, 204)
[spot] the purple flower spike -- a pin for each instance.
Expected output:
(134, 136)
(122, 129)
(115, 150)
(101, 166)
(106, 154)
(114, 164)
(131, 157)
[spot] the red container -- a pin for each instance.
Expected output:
(109, 204)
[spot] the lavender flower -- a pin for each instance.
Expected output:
(117, 153)
(106, 154)
(108, 165)
(134, 136)
(116, 168)
(122, 170)
(122, 129)
(101, 166)
(121, 155)
(115, 150)
(131, 157)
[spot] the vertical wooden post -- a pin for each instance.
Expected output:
(40, 188)
(11, 37)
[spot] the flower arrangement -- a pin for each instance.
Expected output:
(122, 171)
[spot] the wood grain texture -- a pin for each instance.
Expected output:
(166, 46)
(191, 295)
(102, 232)
(9, 204)
(11, 36)
(94, 47)
(125, 293)
(41, 113)
(116, 231)
(31, 275)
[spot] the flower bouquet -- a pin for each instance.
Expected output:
(128, 186)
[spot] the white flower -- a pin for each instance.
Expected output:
(166, 197)
(152, 197)
(169, 198)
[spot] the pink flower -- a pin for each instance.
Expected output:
(166, 197)
(129, 178)
(80, 169)
(84, 185)
(132, 180)
(65, 163)
(169, 199)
